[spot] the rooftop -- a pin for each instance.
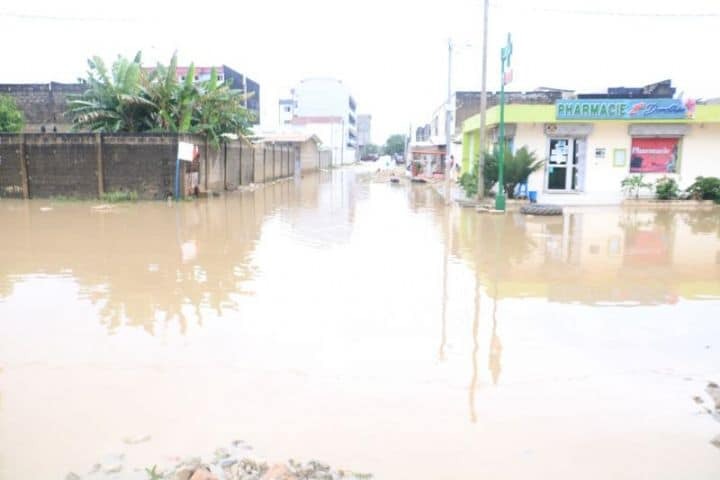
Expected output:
(287, 137)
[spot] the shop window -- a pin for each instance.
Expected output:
(654, 155)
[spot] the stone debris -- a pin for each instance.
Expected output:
(715, 441)
(713, 391)
(202, 474)
(222, 453)
(229, 463)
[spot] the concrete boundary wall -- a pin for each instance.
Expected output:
(87, 165)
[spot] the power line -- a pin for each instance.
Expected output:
(599, 13)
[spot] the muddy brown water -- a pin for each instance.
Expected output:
(362, 324)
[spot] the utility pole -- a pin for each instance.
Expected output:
(483, 109)
(505, 54)
(448, 126)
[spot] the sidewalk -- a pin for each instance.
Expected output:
(457, 194)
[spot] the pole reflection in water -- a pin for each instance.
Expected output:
(475, 328)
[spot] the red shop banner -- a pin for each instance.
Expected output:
(654, 155)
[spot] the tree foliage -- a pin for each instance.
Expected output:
(395, 144)
(127, 98)
(369, 149)
(11, 117)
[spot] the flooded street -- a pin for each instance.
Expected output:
(363, 324)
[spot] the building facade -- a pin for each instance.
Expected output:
(363, 130)
(590, 143)
(324, 107)
(429, 143)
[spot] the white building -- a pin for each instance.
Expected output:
(363, 129)
(324, 107)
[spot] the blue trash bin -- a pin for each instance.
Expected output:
(532, 196)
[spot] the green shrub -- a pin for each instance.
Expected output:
(632, 185)
(11, 117)
(518, 167)
(705, 188)
(468, 181)
(666, 188)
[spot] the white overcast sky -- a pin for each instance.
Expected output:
(391, 54)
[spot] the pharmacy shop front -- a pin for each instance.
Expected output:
(589, 146)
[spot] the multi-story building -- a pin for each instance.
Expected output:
(324, 107)
(363, 130)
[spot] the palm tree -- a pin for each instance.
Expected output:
(518, 167)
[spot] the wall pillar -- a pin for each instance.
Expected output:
(100, 170)
(24, 169)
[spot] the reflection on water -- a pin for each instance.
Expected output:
(340, 312)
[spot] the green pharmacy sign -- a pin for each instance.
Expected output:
(621, 109)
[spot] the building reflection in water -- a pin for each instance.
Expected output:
(146, 265)
(599, 257)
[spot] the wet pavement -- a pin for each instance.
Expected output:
(363, 324)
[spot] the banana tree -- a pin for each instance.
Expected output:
(115, 100)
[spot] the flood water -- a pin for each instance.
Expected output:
(363, 324)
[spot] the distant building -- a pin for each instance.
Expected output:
(286, 110)
(429, 144)
(324, 107)
(237, 81)
(44, 105)
(363, 129)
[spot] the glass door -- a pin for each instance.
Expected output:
(566, 164)
(557, 172)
